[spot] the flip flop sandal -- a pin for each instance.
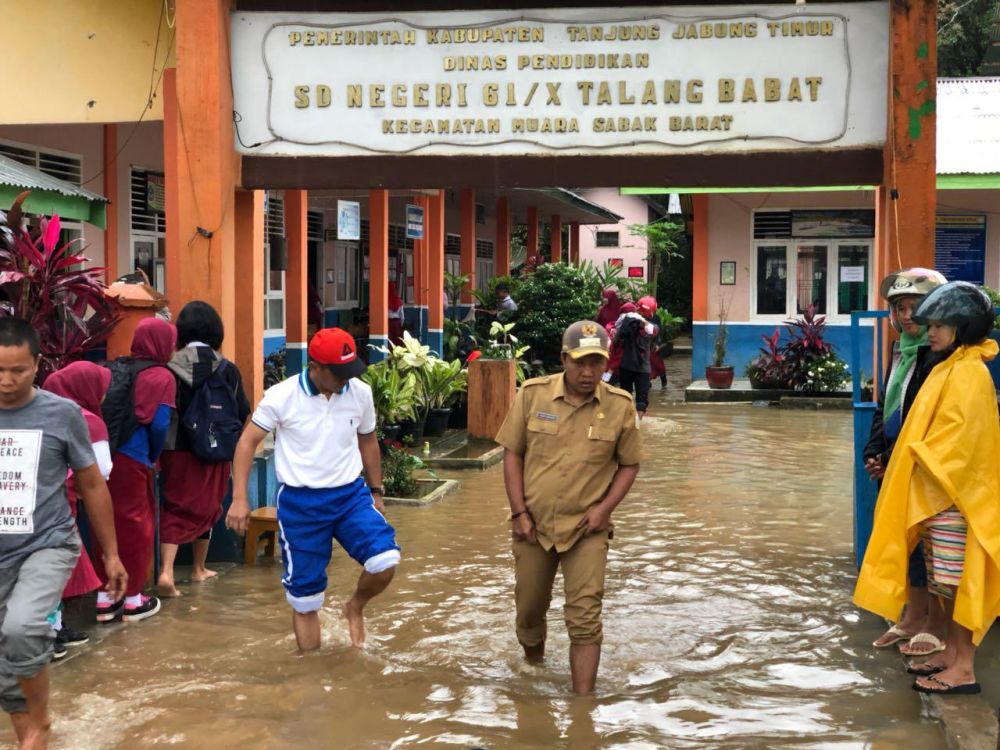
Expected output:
(937, 645)
(970, 688)
(898, 635)
(924, 671)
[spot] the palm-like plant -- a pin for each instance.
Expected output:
(47, 284)
(394, 394)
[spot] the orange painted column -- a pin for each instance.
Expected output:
(296, 281)
(555, 231)
(574, 243)
(532, 240)
(501, 257)
(171, 183)
(249, 334)
(467, 231)
(111, 193)
(910, 164)
(435, 272)
(699, 281)
(378, 271)
(200, 162)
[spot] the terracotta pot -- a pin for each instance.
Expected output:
(719, 377)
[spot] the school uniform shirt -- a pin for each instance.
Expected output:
(38, 443)
(316, 439)
(571, 453)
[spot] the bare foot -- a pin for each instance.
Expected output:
(203, 575)
(355, 623)
(36, 738)
(165, 587)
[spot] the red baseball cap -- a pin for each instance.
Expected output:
(335, 348)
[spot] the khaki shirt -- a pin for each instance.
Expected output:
(571, 453)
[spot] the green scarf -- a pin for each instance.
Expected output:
(908, 347)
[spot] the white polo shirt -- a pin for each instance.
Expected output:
(316, 443)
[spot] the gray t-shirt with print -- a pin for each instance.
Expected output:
(39, 443)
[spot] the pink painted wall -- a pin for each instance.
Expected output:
(730, 237)
(632, 250)
(85, 141)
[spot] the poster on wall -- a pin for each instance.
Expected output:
(348, 220)
(156, 192)
(414, 222)
(834, 223)
(960, 247)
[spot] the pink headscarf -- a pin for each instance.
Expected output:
(154, 340)
(86, 384)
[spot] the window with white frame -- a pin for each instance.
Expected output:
(800, 261)
(147, 225)
(274, 280)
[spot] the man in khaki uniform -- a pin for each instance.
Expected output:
(572, 452)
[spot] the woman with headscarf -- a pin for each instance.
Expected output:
(131, 482)
(923, 622)
(395, 315)
(193, 490)
(610, 308)
(942, 486)
(85, 384)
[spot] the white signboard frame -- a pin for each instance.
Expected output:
(348, 220)
(657, 80)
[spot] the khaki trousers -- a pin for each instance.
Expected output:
(583, 567)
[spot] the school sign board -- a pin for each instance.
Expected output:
(960, 247)
(551, 81)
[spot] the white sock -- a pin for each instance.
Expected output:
(133, 601)
(104, 599)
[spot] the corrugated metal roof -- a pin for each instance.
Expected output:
(22, 176)
(968, 126)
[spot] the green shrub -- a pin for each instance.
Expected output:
(552, 298)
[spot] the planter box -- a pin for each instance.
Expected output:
(431, 490)
(492, 386)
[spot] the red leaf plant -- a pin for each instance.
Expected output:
(47, 284)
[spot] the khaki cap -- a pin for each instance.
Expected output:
(585, 337)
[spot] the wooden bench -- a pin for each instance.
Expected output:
(263, 522)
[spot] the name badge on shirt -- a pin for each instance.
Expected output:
(544, 415)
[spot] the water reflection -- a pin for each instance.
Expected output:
(728, 625)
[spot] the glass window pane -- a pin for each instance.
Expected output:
(275, 314)
(852, 278)
(811, 278)
(772, 280)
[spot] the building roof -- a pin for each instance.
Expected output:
(968, 126)
(49, 195)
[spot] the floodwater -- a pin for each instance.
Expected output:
(728, 625)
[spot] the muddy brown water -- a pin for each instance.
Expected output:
(728, 625)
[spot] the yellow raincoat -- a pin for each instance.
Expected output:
(948, 453)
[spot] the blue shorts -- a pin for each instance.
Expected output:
(308, 522)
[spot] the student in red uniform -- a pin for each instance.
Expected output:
(85, 384)
(192, 489)
(396, 315)
(131, 482)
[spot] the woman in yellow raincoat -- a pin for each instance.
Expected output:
(943, 485)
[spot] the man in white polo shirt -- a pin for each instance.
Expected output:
(324, 420)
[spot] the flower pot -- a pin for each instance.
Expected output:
(756, 381)
(665, 349)
(719, 377)
(459, 418)
(437, 422)
(411, 432)
(391, 432)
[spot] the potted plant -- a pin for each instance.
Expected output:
(439, 381)
(670, 326)
(768, 370)
(394, 395)
(719, 374)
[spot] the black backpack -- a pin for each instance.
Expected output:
(212, 420)
(118, 408)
